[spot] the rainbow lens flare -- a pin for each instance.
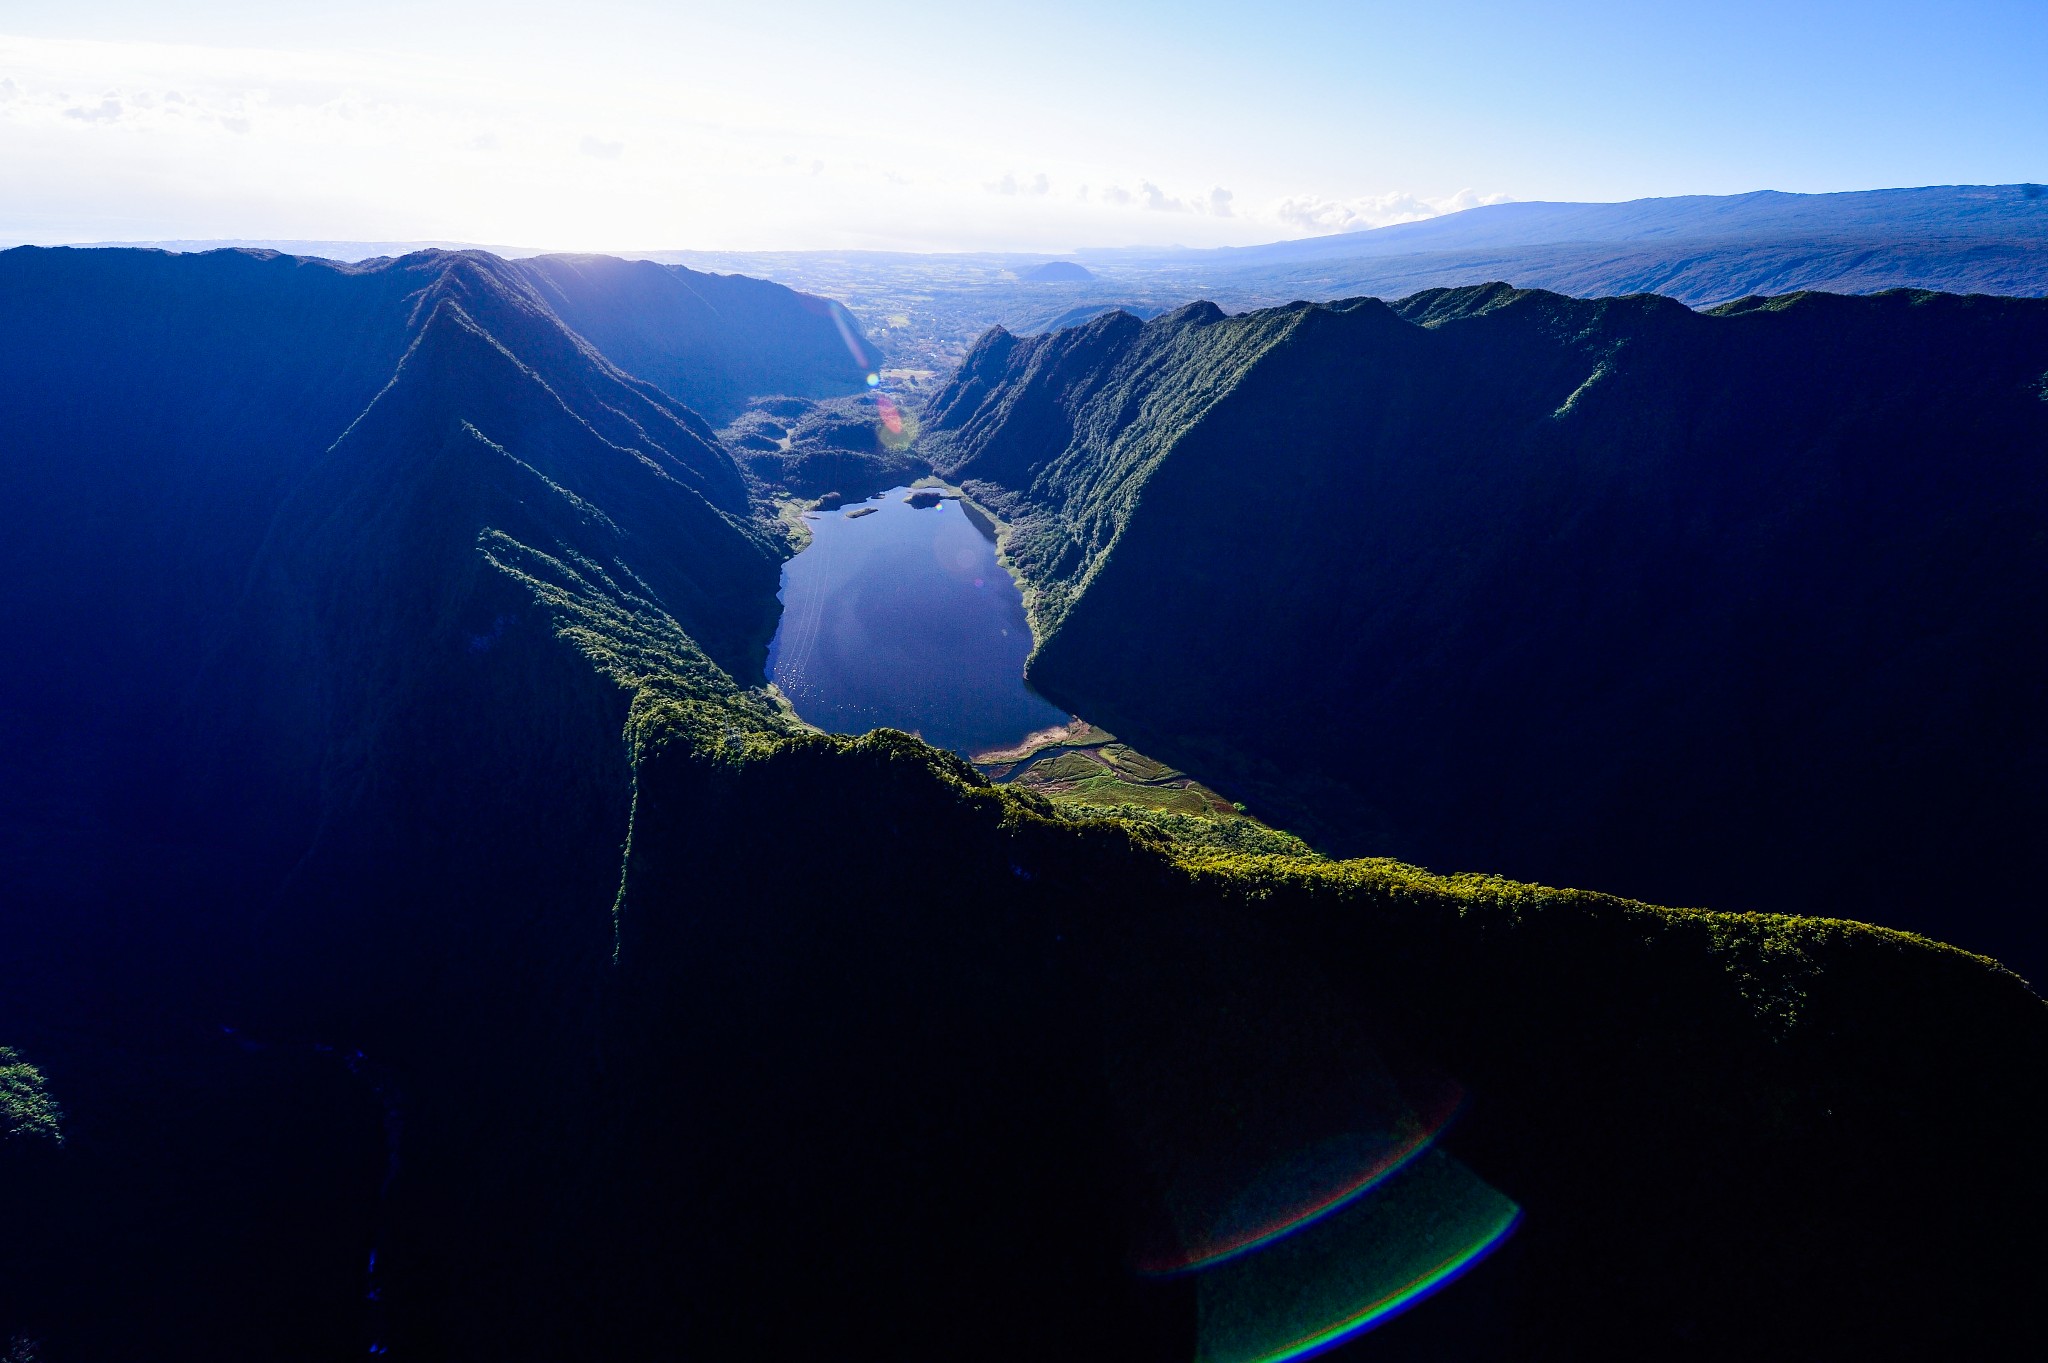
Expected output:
(1309, 1185)
(1290, 1172)
(1422, 1228)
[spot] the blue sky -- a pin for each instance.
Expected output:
(619, 124)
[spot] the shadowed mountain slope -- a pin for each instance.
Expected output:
(427, 943)
(184, 429)
(711, 340)
(1736, 608)
(310, 573)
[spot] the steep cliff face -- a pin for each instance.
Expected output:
(435, 945)
(1654, 1087)
(332, 589)
(1730, 608)
(261, 549)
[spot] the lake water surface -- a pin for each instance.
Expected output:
(902, 618)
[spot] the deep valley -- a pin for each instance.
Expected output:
(430, 934)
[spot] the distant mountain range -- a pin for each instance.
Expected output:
(1953, 214)
(323, 248)
(1937, 213)
(1701, 250)
(925, 310)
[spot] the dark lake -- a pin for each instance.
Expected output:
(901, 617)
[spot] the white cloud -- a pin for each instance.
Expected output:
(106, 111)
(1217, 203)
(139, 141)
(1158, 200)
(1316, 215)
(1037, 185)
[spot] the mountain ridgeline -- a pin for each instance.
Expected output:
(1737, 608)
(288, 547)
(1700, 249)
(426, 938)
(1703, 250)
(712, 340)
(265, 480)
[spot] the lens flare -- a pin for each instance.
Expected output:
(1421, 1229)
(1287, 1170)
(847, 334)
(894, 427)
(1313, 1185)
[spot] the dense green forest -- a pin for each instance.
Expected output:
(1735, 608)
(429, 936)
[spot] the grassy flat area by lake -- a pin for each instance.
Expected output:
(1083, 765)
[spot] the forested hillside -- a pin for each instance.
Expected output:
(425, 938)
(1736, 608)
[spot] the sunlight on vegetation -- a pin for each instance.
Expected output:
(27, 1111)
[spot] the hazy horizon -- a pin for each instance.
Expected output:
(909, 127)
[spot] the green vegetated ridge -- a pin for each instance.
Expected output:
(1732, 608)
(27, 1111)
(1786, 1051)
(476, 815)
